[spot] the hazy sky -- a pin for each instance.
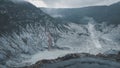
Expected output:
(70, 3)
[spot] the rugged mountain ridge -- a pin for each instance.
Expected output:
(15, 14)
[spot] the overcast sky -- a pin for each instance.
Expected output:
(70, 3)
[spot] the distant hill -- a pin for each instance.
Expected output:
(110, 14)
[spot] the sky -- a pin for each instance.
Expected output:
(70, 3)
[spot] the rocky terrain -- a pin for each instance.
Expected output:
(78, 60)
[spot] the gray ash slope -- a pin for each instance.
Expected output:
(22, 31)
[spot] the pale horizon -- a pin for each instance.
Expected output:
(71, 3)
